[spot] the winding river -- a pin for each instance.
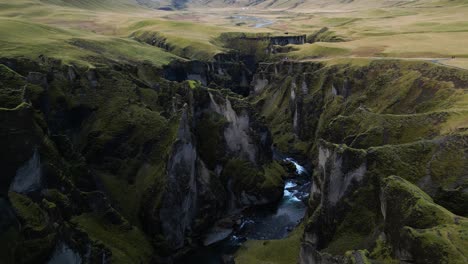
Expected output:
(260, 223)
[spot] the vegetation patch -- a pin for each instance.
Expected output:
(283, 251)
(127, 244)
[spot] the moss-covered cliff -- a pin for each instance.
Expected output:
(117, 163)
(360, 124)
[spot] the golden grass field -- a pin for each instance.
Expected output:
(429, 30)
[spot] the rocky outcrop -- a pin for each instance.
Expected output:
(28, 177)
(259, 83)
(247, 148)
(179, 204)
(287, 40)
(236, 134)
(217, 135)
(270, 39)
(232, 71)
(340, 172)
(417, 229)
(21, 138)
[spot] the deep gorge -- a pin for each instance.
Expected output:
(131, 163)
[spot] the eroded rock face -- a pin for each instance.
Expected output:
(19, 147)
(248, 147)
(180, 199)
(286, 40)
(198, 188)
(337, 179)
(341, 171)
(259, 83)
(29, 176)
(236, 133)
(233, 71)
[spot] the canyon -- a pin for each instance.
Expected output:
(140, 150)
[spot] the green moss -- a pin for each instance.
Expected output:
(274, 174)
(193, 84)
(128, 143)
(127, 245)
(344, 242)
(9, 77)
(274, 105)
(351, 232)
(266, 182)
(430, 232)
(409, 160)
(383, 252)
(32, 216)
(282, 251)
(449, 163)
(11, 87)
(209, 133)
(358, 256)
(414, 207)
(48, 205)
(244, 176)
(364, 129)
(441, 244)
(35, 240)
(57, 197)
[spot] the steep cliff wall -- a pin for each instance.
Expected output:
(232, 71)
(360, 124)
(118, 164)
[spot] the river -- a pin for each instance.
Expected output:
(260, 223)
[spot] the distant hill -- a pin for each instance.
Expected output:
(261, 4)
(292, 4)
(94, 4)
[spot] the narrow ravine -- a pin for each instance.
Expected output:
(258, 223)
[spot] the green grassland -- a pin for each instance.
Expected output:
(108, 29)
(32, 28)
(30, 40)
